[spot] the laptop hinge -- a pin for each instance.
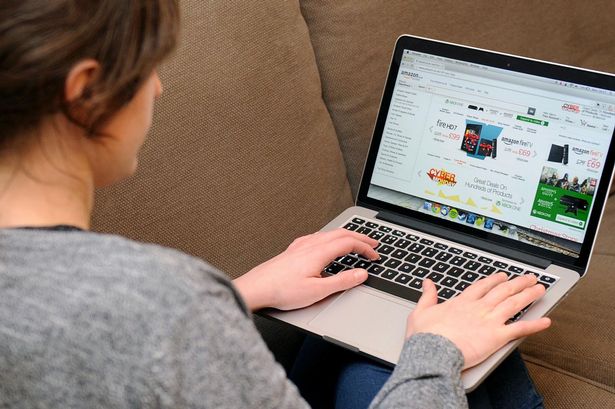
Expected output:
(465, 239)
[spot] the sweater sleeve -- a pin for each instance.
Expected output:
(216, 359)
(428, 375)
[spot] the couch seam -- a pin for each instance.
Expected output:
(561, 371)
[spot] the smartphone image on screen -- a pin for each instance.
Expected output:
(471, 136)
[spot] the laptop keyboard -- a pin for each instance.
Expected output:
(407, 258)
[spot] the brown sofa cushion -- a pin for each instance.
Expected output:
(242, 157)
(353, 43)
(565, 390)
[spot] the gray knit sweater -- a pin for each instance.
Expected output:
(98, 321)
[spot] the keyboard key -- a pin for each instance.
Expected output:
(456, 271)
(401, 243)
(486, 270)
(389, 274)
(440, 246)
(470, 276)
(371, 225)
(458, 261)
(446, 293)
(385, 229)
(392, 263)
(420, 272)
(406, 268)
(400, 254)
(389, 239)
(462, 286)
(469, 255)
(358, 220)
(394, 288)
(499, 264)
(381, 260)
(348, 260)
(427, 242)
(363, 264)
(399, 233)
(351, 226)
(449, 281)
(364, 230)
(403, 279)
(545, 285)
(455, 250)
(531, 272)
(441, 267)
(385, 249)
(485, 260)
(412, 237)
(435, 277)
(547, 279)
(516, 269)
(416, 283)
(375, 269)
(334, 268)
(429, 252)
(415, 248)
(377, 235)
(443, 256)
(413, 258)
(427, 262)
(472, 265)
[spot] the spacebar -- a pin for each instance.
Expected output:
(396, 289)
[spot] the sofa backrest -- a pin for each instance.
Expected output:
(242, 156)
(353, 41)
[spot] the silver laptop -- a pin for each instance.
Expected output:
(479, 162)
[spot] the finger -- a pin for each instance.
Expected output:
(483, 286)
(521, 329)
(344, 245)
(508, 289)
(429, 297)
(339, 282)
(327, 236)
(517, 302)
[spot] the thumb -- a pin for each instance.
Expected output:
(429, 297)
(343, 281)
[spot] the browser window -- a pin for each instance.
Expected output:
(511, 153)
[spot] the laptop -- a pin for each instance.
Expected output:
(479, 162)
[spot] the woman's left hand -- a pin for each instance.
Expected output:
(292, 279)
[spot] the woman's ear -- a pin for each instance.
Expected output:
(80, 76)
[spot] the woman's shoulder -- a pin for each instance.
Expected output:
(101, 258)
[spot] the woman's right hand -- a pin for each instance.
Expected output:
(475, 320)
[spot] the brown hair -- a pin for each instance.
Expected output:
(41, 40)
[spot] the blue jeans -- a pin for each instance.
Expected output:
(331, 377)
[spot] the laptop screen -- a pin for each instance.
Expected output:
(512, 154)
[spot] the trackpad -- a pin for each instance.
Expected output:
(362, 319)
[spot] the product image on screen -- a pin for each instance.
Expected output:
(485, 148)
(564, 197)
(573, 204)
(558, 154)
(471, 136)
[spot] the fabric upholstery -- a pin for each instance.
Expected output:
(353, 43)
(242, 157)
(565, 390)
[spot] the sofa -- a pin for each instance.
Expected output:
(263, 127)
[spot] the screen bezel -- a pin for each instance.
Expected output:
(511, 63)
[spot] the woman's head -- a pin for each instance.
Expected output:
(82, 60)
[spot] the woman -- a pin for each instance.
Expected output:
(92, 320)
